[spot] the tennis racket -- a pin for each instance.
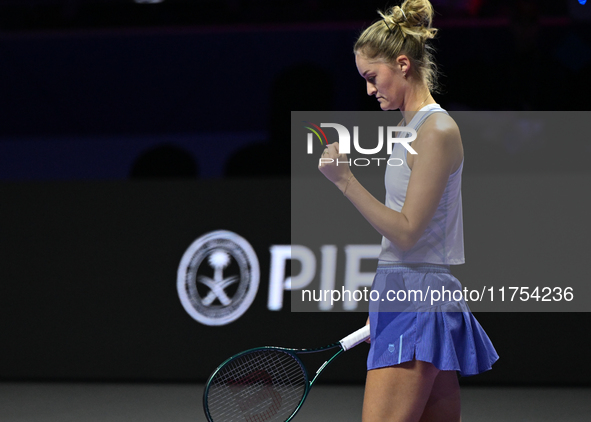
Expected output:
(266, 384)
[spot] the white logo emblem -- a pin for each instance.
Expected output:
(218, 278)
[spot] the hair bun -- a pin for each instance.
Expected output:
(394, 16)
(410, 13)
(419, 12)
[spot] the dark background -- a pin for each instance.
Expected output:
(129, 130)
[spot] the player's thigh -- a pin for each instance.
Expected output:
(444, 403)
(398, 393)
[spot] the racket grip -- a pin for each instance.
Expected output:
(355, 338)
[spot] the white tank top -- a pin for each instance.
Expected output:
(443, 240)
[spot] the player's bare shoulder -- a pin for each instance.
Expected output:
(442, 127)
(440, 135)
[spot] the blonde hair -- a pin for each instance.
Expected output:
(404, 30)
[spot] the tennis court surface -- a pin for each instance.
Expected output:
(93, 402)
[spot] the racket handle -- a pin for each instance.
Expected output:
(355, 338)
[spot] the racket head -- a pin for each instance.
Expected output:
(266, 384)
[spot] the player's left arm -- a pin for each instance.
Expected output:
(439, 154)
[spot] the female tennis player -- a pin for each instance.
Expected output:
(414, 356)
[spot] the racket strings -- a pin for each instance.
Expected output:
(265, 385)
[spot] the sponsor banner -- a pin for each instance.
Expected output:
(90, 280)
(90, 276)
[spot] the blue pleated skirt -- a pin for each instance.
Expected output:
(407, 323)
